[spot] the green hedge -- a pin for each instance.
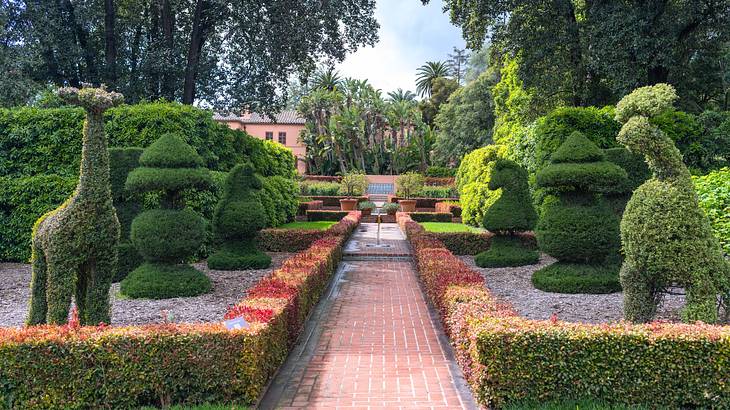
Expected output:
(713, 191)
(472, 181)
(316, 215)
(431, 216)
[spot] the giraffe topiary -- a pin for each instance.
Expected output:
(75, 245)
(666, 238)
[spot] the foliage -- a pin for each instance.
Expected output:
(177, 51)
(167, 235)
(353, 128)
(436, 171)
(713, 191)
(27, 135)
(508, 359)
(427, 74)
(366, 205)
(431, 216)
(447, 227)
(390, 208)
(437, 192)
(565, 277)
(442, 89)
(239, 215)
(354, 184)
(465, 122)
(577, 225)
(74, 247)
(666, 237)
(513, 107)
(162, 281)
(319, 215)
(472, 180)
(449, 206)
(121, 162)
(279, 198)
(409, 184)
(320, 188)
(506, 251)
(299, 236)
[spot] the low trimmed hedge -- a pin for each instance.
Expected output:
(431, 216)
(294, 240)
(454, 208)
(423, 202)
(129, 367)
(334, 200)
(508, 359)
(322, 215)
(464, 243)
(309, 205)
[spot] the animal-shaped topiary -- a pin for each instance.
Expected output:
(167, 237)
(512, 212)
(121, 162)
(75, 246)
(666, 238)
(237, 218)
(576, 225)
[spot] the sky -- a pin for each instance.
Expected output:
(410, 34)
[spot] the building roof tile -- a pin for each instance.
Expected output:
(283, 117)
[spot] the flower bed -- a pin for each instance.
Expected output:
(94, 367)
(508, 359)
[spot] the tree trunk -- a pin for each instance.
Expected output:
(168, 32)
(110, 50)
(89, 73)
(576, 53)
(197, 38)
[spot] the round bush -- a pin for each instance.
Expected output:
(163, 281)
(577, 232)
(240, 219)
(170, 151)
(563, 277)
(168, 235)
(246, 257)
(506, 251)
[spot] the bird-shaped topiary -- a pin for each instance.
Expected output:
(511, 213)
(75, 245)
(168, 236)
(666, 238)
(237, 219)
(576, 225)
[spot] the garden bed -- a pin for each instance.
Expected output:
(514, 285)
(228, 288)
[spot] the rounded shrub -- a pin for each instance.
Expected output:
(566, 277)
(472, 181)
(666, 237)
(168, 235)
(163, 281)
(238, 256)
(505, 251)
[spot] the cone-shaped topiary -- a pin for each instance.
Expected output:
(512, 212)
(167, 237)
(237, 218)
(121, 162)
(75, 246)
(576, 223)
(666, 237)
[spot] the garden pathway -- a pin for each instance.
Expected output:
(372, 341)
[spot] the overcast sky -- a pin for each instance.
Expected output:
(410, 34)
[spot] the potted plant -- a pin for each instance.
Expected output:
(366, 208)
(390, 208)
(407, 186)
(352, 184)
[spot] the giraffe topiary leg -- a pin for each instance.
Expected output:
(38, 282)
(640, 302)
(99, 281)
(62, 274)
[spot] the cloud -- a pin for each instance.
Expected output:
(410, 34)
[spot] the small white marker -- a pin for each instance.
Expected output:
(236, 323)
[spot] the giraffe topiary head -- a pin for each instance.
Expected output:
(96, 100)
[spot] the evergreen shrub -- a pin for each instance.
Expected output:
(472, 181)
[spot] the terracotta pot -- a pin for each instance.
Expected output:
(348, 204)
(407, 205)
(366, 212)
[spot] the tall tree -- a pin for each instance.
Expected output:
(426, 75)
(457, 63)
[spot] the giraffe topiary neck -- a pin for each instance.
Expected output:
(94, 173)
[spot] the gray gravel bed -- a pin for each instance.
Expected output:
(229, 287)
(514, 285)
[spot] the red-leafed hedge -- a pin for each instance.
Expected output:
(510, 359)
(335, 200)
(46, 367)
(310, 205)
(322, 178)
(423, 202)
(288, 240)
(451, 207)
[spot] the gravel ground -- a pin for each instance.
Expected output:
(229, 287)
(515, 286)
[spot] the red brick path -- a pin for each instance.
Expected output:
(377, 348)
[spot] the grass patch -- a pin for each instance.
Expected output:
(449, 227)
(562, 277)
(571, 405)
(506, 252)
(311, 225)
(157, 281)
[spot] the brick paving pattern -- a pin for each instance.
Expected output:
(377, 346)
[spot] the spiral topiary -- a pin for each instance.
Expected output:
(667, 240)
(577, 226)
(237, 218)
(167, 237)
(75, 246)
(512, 212)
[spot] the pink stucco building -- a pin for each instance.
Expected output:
(285, 130)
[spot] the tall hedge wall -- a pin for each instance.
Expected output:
(40, 150)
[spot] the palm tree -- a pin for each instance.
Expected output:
(328, 79)
(427, 73)
(400, 95)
